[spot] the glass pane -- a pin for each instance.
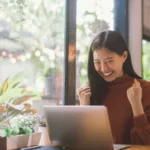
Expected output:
(32, 42)
(93, 16)
(146, 59)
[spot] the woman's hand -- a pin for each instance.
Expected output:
(84, 95)
(134, 95)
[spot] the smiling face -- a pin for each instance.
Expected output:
(109, 65)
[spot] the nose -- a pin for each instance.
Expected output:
(104, 67)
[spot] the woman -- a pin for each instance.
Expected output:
(114, 83)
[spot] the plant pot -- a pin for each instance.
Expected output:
(45, 139)
(34, 139)
(20, 141)
(17, 141)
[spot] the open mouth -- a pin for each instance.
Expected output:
(108, 74)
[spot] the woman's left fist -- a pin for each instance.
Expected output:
(134, 93)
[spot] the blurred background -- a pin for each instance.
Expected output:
(32, 40)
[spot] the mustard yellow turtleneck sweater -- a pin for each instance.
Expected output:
(127, 129)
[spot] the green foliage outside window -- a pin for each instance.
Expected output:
(146, 60)
(43, 21)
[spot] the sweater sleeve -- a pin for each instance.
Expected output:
(140, 133)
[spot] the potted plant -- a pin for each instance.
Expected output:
(22, 128)
(13, 101)
(13, 95)
(20, 131)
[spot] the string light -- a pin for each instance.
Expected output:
(42, 58)
(10, 55)
(33, 49)
(23, 58)
(13, 60)
(28, 55)
(37, 53)
(4, 53)
(18, 57)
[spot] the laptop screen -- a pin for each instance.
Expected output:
(79, 127)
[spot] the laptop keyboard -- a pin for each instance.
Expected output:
(121, 146)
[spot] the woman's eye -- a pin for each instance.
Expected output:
(96, 62)
(109, 61)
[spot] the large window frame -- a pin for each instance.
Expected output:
(120, 25)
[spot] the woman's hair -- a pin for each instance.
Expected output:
(114, 42)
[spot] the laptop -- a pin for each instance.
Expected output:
(80, 127)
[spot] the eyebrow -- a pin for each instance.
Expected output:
(104, 59)
(109, 58)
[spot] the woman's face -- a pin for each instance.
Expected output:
(109, 65)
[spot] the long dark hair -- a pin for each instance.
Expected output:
(115, 43)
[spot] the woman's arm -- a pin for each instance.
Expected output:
(134, 95)
(140, 134)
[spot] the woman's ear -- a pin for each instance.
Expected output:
(125, 55)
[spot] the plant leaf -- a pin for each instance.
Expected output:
(16, 79)
(7, 132)
(15, 84)
(9, 94)
(17, 108)
(11, 114)
(4, 86)
(1, 108)
(21, 99)
(1, 91)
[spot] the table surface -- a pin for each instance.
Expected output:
(132, 147)
(138, 147)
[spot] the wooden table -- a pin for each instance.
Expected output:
(138, 147)
(133, 147)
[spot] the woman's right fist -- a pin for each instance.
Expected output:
(84, 95)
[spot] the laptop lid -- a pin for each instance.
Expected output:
(79, 127)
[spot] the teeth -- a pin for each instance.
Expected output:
(107, 74)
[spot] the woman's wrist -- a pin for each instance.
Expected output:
(137, 109)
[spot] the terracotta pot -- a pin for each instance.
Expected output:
(34, 139)
(17, 141)
(45, 140)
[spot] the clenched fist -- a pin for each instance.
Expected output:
(84, 95)
(134, 95)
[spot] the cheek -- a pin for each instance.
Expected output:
(116, 65)
(111, 66)
(119, 66)
(97, 67)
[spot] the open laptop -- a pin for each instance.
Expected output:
(79, 127)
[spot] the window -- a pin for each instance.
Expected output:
(92, 17)
(146, 40)
(146, 59)
(32, 42)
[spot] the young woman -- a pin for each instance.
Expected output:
(114, 83)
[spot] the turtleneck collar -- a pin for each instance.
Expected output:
(121, 80)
